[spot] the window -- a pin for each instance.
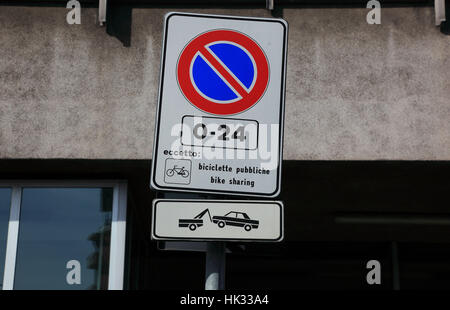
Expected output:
(231, 214)
(243, 216)
(66, 235)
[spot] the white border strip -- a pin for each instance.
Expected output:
(68, 183)
(13, 236)
(118, 236)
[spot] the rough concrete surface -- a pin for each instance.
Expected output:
(354, 91)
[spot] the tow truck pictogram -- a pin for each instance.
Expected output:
(232, 218)
(197, 221)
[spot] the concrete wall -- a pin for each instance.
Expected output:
(354, 91)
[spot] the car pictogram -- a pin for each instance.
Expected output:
(235, 218)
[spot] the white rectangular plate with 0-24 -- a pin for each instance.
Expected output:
(216, 132)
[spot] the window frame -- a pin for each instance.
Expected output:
(118, 224)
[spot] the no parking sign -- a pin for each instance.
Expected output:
(223, 72)
(220, 115)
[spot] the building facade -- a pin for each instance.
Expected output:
(365, 166)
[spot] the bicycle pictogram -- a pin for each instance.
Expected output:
(178, 170)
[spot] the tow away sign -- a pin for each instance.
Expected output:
(219, 126)
(226, 220)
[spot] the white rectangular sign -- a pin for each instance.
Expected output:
(227, 220)
(219, 124)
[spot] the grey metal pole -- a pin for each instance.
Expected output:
(215, 266)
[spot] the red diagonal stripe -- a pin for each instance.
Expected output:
(228, 77)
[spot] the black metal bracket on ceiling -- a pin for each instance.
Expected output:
(117, 17)
(442, 12)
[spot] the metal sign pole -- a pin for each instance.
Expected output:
(215, 266)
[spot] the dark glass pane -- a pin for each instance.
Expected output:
(5, 203)
(424, 266)
(59, 225)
